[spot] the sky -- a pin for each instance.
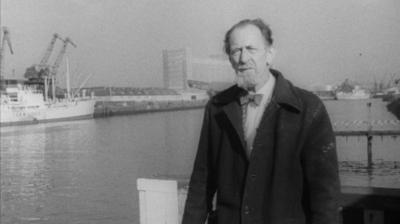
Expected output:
(120, 42)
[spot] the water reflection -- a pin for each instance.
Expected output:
(86, 171)
(24, 173)
(38, 167)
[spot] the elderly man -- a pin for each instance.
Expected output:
(267, 149)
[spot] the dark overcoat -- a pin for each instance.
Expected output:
(291, 175)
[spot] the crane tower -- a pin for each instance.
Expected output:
(6, 38)
(42, 69)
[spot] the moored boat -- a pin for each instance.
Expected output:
(355, 94)
(23, 104)
(348, 91)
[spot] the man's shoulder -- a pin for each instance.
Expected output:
(310, 101)
(307, 96)
(288, 94)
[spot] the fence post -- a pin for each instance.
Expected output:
(369, 139)
(369, 152)
(158, 201)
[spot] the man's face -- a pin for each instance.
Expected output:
(249, 55)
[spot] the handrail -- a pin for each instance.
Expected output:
(369, 134)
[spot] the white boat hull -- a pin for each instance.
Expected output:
(352, 97)
(57, 111)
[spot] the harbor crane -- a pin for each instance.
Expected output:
(6, 38)
(42, 69)
(49, 50)
(60, 56)
(50, 79)
(43, 73)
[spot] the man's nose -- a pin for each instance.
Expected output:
(244, 56)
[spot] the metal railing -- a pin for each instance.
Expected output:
(369, 134)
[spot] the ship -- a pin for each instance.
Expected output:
(347, 91)
(356, 94)
(23, 103)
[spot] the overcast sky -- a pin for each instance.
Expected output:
(121, 41)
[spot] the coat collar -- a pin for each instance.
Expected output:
(283, 94)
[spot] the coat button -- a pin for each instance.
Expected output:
(246, 210)
(253, 176)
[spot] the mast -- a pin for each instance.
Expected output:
(58, 62)
(53, 87)
(46, 88)
(1, 41)
(67, 78)
(0, 22)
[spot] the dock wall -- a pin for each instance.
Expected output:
(121, 105)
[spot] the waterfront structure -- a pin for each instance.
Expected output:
(325, 94)
(350, 91)
(393, 91)
(148, 101)
(176, 68)
(355, 94)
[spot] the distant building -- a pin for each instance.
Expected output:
(177, 68)
(182, 70)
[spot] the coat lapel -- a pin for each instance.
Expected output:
(233, 112)
(283, 97)
(289, 124)
(279, 121)
(228, 102)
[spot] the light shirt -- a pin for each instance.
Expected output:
(255, 113)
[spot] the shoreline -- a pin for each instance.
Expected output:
(117, 108)
(108, 108)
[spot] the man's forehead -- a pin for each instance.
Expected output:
(246, 35)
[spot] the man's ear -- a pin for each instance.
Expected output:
(270, 55)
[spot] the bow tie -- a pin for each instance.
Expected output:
(252, 99)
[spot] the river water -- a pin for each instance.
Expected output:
(85, 171)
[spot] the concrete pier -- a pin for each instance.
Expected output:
(120, 105)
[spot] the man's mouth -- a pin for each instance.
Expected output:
(242, 69)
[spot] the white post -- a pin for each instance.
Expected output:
(158, 201)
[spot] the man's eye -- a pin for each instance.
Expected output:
(252, 49)
(235, 52)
